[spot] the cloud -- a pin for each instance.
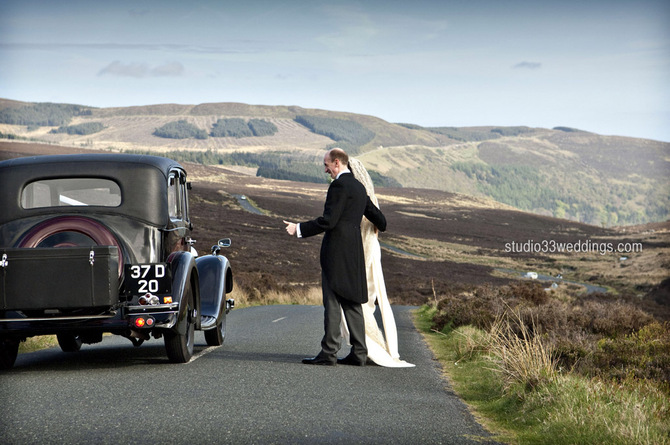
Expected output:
(170, 69)
(139, 70)
(527, 66)
(117, 68)
(165, 47)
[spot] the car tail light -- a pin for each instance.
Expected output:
(144, 322)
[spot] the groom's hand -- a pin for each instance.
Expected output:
(290, 228)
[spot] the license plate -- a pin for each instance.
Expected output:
(148, 278)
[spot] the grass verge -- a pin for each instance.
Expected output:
(33, 344)
(552, 407)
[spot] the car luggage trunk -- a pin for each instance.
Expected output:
(58, 278)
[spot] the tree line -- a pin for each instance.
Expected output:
(80, 129)
(230, 127)
(349, 135)
(271, 165)
(181, 129)
(525, 188)
(473, 134)
(43, 114)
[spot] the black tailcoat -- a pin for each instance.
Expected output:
(342, 257)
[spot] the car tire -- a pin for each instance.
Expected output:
(69, 342)
(179, 347)
(216, 336)
(9, 349)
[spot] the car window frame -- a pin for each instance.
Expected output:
(178, 196)
(56, 190)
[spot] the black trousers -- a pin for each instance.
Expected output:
(353, 314)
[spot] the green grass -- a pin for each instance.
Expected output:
(33, 344)
(562, 409)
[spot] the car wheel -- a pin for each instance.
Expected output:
(69, 342)
(179, 347)
(215, 337)
(9, 349)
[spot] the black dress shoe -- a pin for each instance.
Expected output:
(318, 361)
(350, 360)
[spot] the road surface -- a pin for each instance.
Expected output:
(252, 390)
(590, 288)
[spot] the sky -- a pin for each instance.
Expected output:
(599, 66)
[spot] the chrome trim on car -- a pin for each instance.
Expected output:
(77, 317)
(153, 308)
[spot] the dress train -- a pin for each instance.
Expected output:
(382, 346)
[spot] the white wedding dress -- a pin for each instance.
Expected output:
(382, 347)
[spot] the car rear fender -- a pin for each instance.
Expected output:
(184, 273)
(215, 277)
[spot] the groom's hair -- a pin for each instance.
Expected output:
(338, 153)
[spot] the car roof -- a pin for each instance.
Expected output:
(159, 162)
(142, 179)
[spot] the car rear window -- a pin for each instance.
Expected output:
(64, 192)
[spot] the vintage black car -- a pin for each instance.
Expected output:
(100, 243)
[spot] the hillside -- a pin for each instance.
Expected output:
(562, 172)
(437, 242)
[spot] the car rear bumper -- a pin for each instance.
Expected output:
(117, 322)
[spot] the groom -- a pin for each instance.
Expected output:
(343, 279)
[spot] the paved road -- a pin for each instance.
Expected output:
(252, 390)
(590, 288)
(246, 205)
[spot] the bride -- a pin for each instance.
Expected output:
(382, 347)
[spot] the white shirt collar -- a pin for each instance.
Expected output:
(346, 170)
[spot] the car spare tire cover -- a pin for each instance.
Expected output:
(79, 224)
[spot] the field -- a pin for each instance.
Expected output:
(436, 243)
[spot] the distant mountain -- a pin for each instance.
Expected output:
(563, 172)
